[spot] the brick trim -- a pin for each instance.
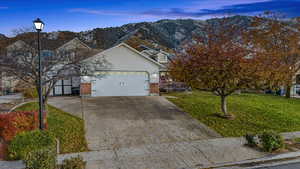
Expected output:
(85, 89)
(154, 88)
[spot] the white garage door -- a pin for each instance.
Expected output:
(121, 84)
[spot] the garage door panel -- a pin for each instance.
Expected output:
(121, 84)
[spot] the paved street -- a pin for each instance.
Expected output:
(286, 166)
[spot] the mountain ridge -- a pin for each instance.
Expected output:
(166, 34)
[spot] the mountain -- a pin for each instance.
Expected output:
(169, 35)
(2, 37)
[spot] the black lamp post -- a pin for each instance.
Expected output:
(39, 25)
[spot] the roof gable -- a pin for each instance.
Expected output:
(137, 52)
(17, 45)
(74, 43)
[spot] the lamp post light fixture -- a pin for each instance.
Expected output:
(39, 25)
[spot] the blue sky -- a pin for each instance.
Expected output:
(80, 15)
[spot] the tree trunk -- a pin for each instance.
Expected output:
(224, 106)
(288, 91)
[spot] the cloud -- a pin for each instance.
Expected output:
(289, 7)
(134, 16)
(99, 12)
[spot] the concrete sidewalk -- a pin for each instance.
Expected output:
(219, 153)
(181, 155)
(11, 165)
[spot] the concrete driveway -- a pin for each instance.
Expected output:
(118, 122)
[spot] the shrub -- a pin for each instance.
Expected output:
(27, 143)
(27, 89)
(68, 129)
(30, 93)
(16, 122)
(73, 163)
(44, 158)
(271, 141)
(251, 140)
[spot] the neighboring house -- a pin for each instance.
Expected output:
(7, 82)
(69, 86)
(131, 73)
(295, 92)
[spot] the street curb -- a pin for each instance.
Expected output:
(253, 162)
(275, 164)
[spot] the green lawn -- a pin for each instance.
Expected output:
(67, 128)
(254, 112)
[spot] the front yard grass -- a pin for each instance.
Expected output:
(254, 113)
(68, 129)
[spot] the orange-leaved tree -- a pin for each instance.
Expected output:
(218, 62)
(277, 43)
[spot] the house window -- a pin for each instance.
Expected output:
(162, 58)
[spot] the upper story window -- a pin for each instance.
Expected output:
(162, 58)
